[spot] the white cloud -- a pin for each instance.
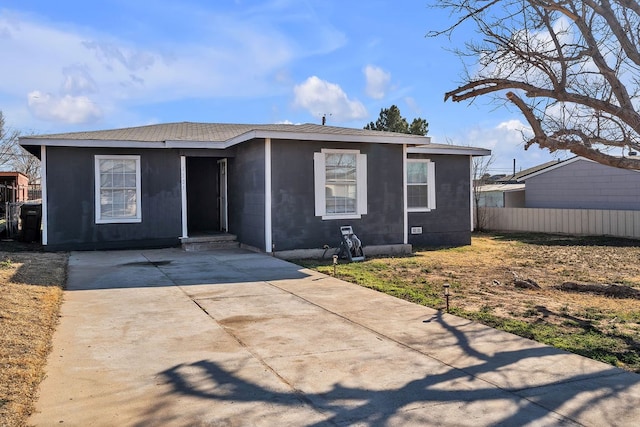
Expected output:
(66, 109)
(236, 55)
(77, 80)
(108, 53)
(320, 97)
(377, 81)
(506, 142)
(514, 125)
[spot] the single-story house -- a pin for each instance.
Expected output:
(277, 188)
(579, 183)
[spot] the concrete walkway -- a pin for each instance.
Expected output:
(234, 338)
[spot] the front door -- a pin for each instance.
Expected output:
(203, 216)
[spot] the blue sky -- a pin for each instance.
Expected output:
(78, 65)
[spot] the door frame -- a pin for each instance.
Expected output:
(223, 198)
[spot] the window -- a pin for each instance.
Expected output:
(117, 189)
(340, 184)
(421, 195)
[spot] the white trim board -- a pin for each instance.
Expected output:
(183, 195)
(421, 147)
(43, 186)
(268, 237)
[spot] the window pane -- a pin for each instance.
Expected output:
(130, 180)
(106, 197)
(107, 211)
(340, 189)
(129, 166)
(340, 167)
(118, 180)
(106, 180)
(418, 196)
(416, 173)
(106, 166)
(343, 160)
(118, 166)
(118, 188)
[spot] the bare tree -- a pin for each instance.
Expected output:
(570, 66)
(481, 167)
(13, 156)
(8, 142)
(26, 163)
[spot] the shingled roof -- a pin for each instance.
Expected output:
(223, 135)
(211, 132)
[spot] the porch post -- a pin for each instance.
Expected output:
(471, 195)
(405, 219)
(268, 242)
(43, 195)
(183, 194)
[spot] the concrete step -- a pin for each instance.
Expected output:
(209, 242)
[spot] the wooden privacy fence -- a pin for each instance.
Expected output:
(591, 222)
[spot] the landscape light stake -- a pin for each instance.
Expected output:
(335, 264)
(446, 295)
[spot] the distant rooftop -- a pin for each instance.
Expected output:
(517, 176)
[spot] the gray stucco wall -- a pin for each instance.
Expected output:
(584, 185)
(71, 201)
(246, 200)
(294, 224)
(450, 223)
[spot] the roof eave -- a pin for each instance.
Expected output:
(551, 168)
(454, 149)
(331, 137)
(247, 136)
(90, 143)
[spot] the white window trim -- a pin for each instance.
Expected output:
(98, 208)
(319, 173)
(431, 187)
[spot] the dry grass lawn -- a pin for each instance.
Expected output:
(30, 296)
(483, 275)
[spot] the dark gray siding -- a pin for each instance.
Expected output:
(294, 224)
(71, 201)
(584, 185)
(246, 194)
(449, 224)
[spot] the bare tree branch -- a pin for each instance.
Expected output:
(576, 62)
(12, 155)
(577, 146)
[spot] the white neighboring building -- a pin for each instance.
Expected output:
(501, 195)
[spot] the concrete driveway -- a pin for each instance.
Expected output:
(234, 338)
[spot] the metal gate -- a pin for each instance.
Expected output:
(12, 218)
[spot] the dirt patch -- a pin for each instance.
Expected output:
(487, 272)
(515, 282)
(613, 291)
(30, 296)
